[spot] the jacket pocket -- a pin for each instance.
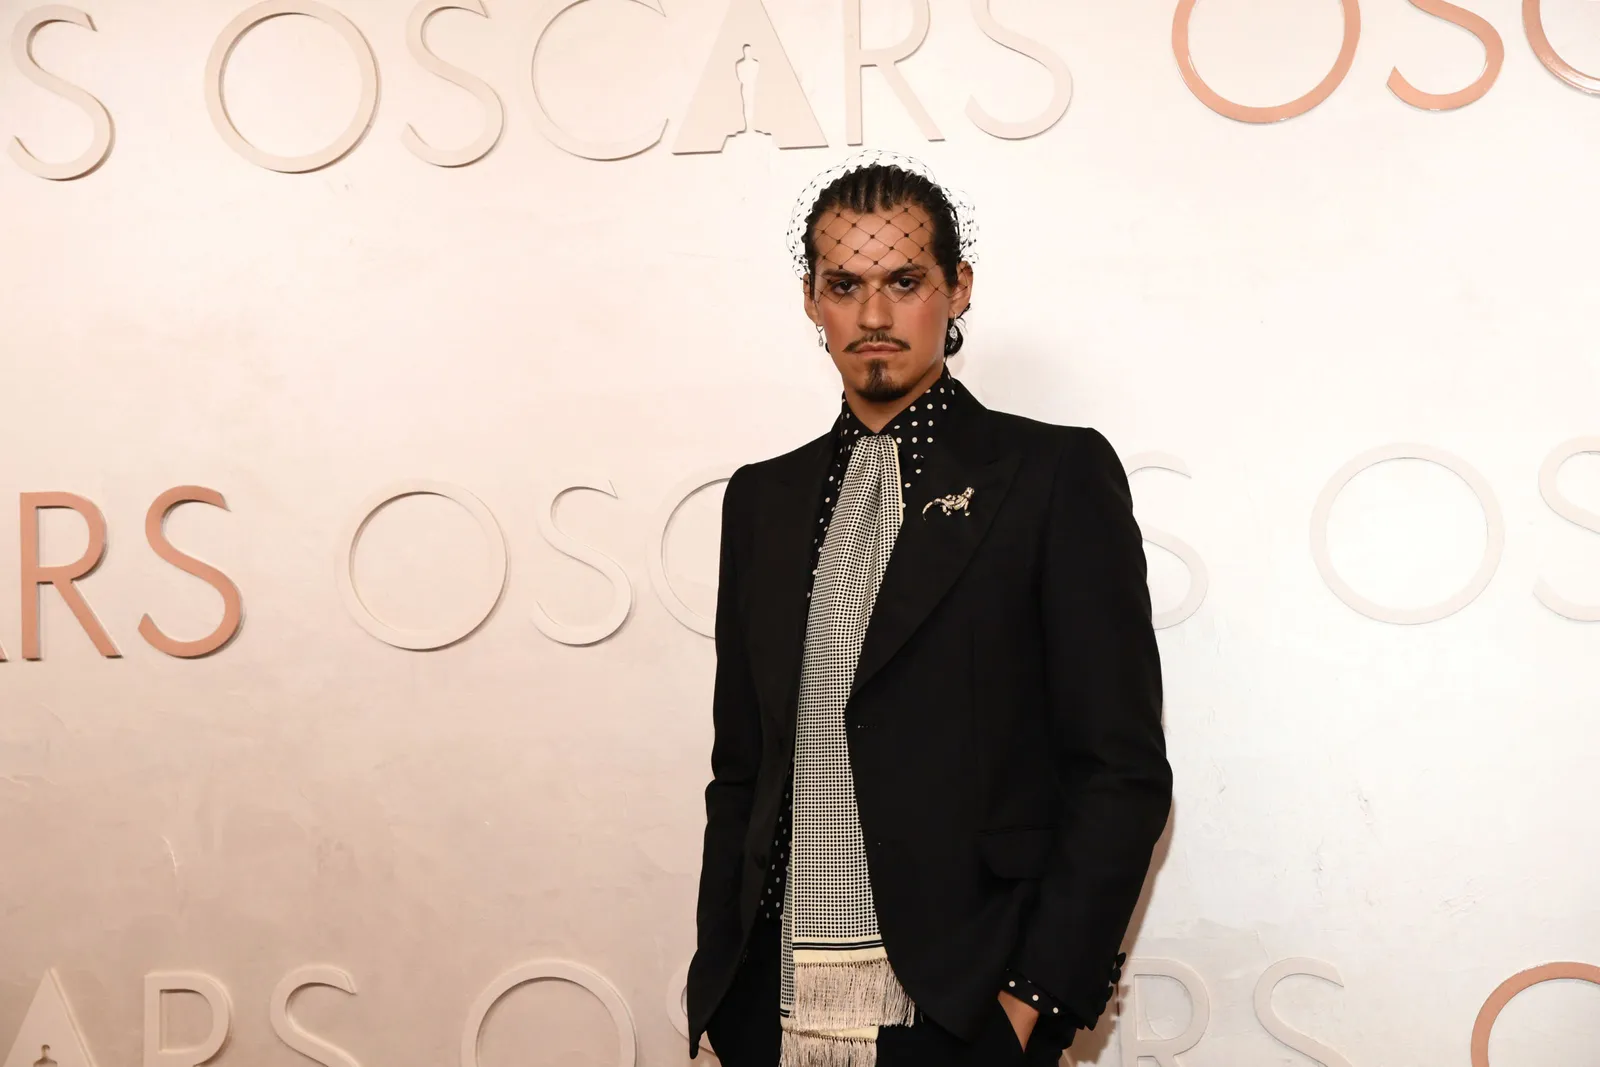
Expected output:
(1018, 852)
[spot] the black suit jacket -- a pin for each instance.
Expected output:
(1004, 722)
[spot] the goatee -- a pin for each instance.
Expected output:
(880, 388)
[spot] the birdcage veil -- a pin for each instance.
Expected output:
(965, 216)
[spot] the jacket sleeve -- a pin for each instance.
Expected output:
(1103, 692)
(736, 745)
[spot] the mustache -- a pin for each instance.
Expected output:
(858, 342)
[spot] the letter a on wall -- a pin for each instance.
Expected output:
(49, 1033)
(780, 107)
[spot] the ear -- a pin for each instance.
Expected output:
(810, 302)
(961, 295)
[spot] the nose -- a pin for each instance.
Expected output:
(877, 310)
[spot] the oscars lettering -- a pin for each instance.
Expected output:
(748, 83)
(38, 579)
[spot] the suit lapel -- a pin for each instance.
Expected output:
(933, 548)
(781, 571)
(931, 551)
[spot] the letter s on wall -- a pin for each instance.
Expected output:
(1583, 517)
(1494, 58)
(290, 1032)
(622, 589)
(1199, 580)
(22, 54)
(494, 123)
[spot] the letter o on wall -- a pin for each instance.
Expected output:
(1502, 995)
(1455, 465)
(562, 970)
(1277, 113)
(217, 64)
(418, 640)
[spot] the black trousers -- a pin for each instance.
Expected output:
(745, 1031)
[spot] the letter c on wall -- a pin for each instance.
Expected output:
(1533, 24)
(658, 548)
(616, 148)
(217, 65)
(1244, 113)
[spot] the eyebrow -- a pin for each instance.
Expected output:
(837, 272)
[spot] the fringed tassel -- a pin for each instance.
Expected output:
(846, 995)
(815, 1050)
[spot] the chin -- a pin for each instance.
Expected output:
(883, 392)
(885, 387)
(887, 380)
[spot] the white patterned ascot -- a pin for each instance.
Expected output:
(838, 987)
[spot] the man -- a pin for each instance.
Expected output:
(938, 769)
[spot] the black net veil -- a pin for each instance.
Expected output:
(863, 247)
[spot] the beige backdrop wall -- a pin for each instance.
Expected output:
(1392, 818)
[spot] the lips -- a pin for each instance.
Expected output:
(878, 348)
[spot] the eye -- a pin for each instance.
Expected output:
(841, 286)
(908, 282)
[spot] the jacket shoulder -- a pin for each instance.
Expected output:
(1065, 442)
(782, 466)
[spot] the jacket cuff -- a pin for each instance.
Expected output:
(1055, 1018)
(1055, 1021)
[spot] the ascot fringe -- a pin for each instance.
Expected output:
(815, 1050)
(847, 995)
